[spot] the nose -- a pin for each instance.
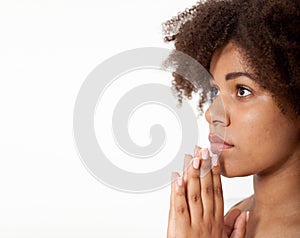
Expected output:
(216, 114)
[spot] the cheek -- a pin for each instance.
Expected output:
(253, 130)
(252, 153)
(270, 130)
(266, 139)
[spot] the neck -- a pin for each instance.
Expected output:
(278, 191)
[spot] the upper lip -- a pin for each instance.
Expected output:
(217, 140)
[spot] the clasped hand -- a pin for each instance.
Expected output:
(196, 204)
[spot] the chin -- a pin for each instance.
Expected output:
(232, 175)
(227, 174)
(224, 170)
(231, 171)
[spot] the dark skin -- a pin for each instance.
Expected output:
(201, 215)
(267, 146)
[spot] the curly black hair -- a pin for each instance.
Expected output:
(266, 33)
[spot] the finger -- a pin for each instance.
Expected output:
(206, 187)
(230, 219)
(172, 222)
(206, 167)
(181, 209)
(239, 229)
(217, 190)
(197, 151)
(194, 192)
(187, 163)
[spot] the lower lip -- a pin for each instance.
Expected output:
(219, 147)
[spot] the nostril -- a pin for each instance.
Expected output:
(218, 122)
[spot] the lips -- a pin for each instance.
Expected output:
(217, 144)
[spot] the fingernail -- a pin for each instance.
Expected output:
(214, 160)
(179, 181)
(247, 216)
(205, 154)
(196, 163)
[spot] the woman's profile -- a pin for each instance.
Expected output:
(251, 49)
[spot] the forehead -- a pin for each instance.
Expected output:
(226, 59)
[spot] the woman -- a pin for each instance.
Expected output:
(252, 51)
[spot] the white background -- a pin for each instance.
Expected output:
(47, 49)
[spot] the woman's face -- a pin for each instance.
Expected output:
(259, 139)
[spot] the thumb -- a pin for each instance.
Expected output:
(230, 219)
(239, 229)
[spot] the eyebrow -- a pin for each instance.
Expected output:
(235, 75)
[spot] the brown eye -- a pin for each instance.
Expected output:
(243, 91)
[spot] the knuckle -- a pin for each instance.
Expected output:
(208, 190)
(194, 175)
(216, 171)
(181, 209)
(218, 191)
(195, 198)
(218, 230)
(211, 228)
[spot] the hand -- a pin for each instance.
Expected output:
(196, 208)
(235, 223)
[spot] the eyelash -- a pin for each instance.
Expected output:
(241, 87)
(215, 91)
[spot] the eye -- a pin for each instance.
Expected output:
(214, 92)
(243, 91)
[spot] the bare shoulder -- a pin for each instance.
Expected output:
(243, 205)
